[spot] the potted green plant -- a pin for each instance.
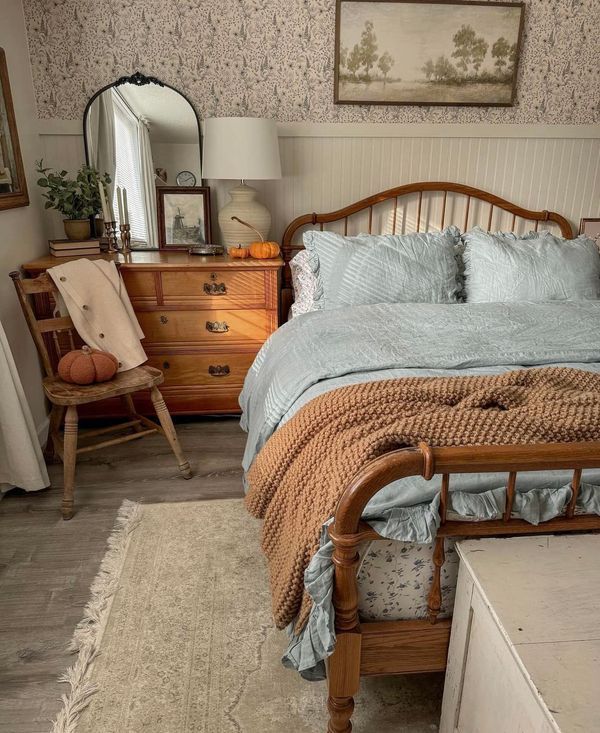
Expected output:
(77, 199)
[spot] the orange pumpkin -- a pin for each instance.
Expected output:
(86, 366)
(259, 250)
(239, 252)
(264, 250)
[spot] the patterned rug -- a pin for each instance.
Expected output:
(178, 638)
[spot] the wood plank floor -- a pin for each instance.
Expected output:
(47, 565)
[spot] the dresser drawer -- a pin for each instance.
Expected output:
(140, 285)
(206, 327)
(214, 287)
(210, 370)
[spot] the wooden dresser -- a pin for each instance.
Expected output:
(205, 318)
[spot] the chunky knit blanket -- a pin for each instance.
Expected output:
(301, 472)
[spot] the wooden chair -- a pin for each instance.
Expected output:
(66, 397)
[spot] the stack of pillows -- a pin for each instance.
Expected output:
(334, 271)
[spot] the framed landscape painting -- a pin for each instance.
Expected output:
(427, 53)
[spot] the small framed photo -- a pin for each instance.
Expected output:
(183, 216)
(591, 229)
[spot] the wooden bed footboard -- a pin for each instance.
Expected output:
(409, 647)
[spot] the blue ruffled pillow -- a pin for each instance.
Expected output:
(536, 267)
(386, 268)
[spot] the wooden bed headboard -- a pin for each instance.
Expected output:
(417, 207)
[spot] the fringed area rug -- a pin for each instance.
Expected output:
(178, 638)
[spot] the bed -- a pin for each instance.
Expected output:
(410, 633)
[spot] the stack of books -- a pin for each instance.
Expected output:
(70, 248)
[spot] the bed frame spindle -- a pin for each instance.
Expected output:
(510, 495)
(444, 209)
(444, 497)
(575, 486)
(419, 211)
(434, 603)
(466, 224)
(489, 226)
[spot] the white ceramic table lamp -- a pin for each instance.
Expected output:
(243, 148)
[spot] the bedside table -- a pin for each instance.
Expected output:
(204, 318)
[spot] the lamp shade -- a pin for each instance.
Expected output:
(240, 148)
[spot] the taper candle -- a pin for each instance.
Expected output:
(105, 211)
(125, 209)
(109, 204)
(120, 205)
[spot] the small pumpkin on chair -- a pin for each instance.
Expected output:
(259, 250)
(86, 366)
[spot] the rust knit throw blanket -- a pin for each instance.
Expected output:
(299, 475)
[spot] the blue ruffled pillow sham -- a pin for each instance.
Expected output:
(535, 267)
(386, 268)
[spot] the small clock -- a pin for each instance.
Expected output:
(186, 178)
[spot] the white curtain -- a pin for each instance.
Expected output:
(147, 180)
(21, 460)
(101, 134)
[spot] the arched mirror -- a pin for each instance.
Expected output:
(146, 136)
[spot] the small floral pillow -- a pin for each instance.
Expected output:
(304, 283)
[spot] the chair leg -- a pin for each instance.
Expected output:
(169, 430)
(127, 400)
(69, 460)
(56, 417)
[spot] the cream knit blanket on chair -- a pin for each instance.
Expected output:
(95, 298)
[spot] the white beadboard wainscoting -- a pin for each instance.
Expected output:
(326, 166)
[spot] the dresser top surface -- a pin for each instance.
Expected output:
(161, 259)
(544, 592)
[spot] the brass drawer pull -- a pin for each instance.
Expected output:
(166, 365)
(219, 370)
(217, 326)
(164, 319)
(215, 288)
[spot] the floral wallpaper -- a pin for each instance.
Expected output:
(274, 58)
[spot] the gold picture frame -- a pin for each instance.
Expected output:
(13, 185)
(446, 53)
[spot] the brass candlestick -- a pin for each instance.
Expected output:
(110, 229)
(125, 238)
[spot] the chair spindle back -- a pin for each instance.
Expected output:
(44, 331)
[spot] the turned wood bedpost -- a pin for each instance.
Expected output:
(343, 668)
(344, 664)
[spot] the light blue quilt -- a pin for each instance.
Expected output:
(325, 350)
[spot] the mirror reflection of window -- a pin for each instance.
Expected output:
(131, 135)
(132, 131)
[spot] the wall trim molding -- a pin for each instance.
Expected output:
(373, 129)
(387, 130)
